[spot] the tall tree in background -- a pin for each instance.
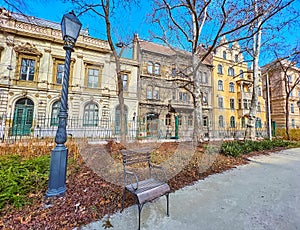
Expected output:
(267, 11)
(105, 10)
(190, 24)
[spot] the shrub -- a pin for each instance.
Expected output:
(22, 177)
(235, 148)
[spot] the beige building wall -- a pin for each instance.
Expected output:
(28, 38)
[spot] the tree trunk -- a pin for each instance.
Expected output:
(198, 132)
(287, 112)
(250, 130)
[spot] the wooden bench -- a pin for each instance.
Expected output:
(146, 187)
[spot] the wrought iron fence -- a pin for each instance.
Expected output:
(104, 129)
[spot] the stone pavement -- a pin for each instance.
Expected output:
(264, 194)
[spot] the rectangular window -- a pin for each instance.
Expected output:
(231, 103)
(60, 73)
(125, 82)
(205, 121)
(220, 102)
(240, 104)
(93, 76)
(190, 120)
(156, 93)
(27, 69)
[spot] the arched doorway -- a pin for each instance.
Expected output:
(23, 117)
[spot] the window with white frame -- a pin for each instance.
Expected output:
(204, 77)
(230, 71)
(157, 69)
(90, 116)
(27, 69)
(125, 81)
(231, 102)
(156, 93)
(221, 121)
(150, 67)
(93, 77)
(220, 103)
(59, 73)
(241, 74)
(232, 122)
(54, 113)
(220, 69)
(231, 87)
(220, 85)
(149, 92)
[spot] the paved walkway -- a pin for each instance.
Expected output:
(264, 194)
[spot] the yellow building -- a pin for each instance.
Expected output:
(232, 92)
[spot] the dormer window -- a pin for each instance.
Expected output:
(224, 55)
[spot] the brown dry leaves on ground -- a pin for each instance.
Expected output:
(89, 197)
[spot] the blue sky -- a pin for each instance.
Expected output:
(125, 25)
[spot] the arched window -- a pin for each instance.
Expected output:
(150, 67)
(220, 85)
(90, 116)
(157, 69)
(230, 71)
(241, 74)
(231, 87)
(54, 113)
(232, 122)
(221, 121)
(220, 69)
(224, 55)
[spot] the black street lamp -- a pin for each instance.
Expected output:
(70, 27)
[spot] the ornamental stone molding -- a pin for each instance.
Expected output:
(27, 48)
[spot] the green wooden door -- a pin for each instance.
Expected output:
(23, 117)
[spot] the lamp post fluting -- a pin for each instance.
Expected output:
(70, 27)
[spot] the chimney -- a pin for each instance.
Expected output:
(135, 47)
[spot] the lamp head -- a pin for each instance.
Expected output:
(70, 28)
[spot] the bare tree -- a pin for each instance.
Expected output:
(267, 10)
(289, 79)
(105, 9)
(189, 24)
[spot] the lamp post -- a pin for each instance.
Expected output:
(70, 27)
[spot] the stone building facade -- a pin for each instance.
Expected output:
(31, 75)
(166, 107)
(283, 74)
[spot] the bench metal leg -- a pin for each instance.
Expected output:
(140, 206)
(123, 199)
(167, 195)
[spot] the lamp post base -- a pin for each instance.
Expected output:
(58, 170)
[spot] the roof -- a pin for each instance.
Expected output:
(36, 21)
(165, 50)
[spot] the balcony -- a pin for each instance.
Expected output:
(243, 112)
(244, 95)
